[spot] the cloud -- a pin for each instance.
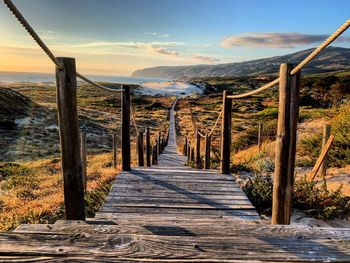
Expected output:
(130, 44)
(206, 59)
(164, 51)
(273, 40)
(156, 34)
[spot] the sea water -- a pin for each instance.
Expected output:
(18, 77)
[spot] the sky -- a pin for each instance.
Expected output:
(117, 37)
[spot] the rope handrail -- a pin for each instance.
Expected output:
(133, 118)
(21, 19)
(191, 115)
(10, 5)
(201, 134)
(215, 124)
(318, 50)
(247, 94)
(311, 56)
(82, 77)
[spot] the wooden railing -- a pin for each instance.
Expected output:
(289, 81)
(71, 151)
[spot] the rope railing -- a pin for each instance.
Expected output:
(318, 50)
(297, 68)
(215, 124)
(201, 134)
(133, 119)
(21, 19)
(194, 124)
(250, 93)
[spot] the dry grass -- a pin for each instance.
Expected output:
(41, 201)
(37, 197)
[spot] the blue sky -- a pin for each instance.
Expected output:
(119, 36)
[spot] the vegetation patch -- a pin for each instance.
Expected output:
(315, 201)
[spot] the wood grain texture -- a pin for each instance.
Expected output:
(159, 243)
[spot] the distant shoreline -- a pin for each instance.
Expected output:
(8, 77)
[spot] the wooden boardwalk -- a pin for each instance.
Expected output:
(171, 190)
(172, 213)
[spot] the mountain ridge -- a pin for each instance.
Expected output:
(331, 59)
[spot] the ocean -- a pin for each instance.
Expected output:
(17, 77)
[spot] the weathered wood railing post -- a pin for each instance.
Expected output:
(185, 147)
(83, 158)
(192, 154)
(198, 150)
(226, 133)
(288, 111)
(326, 134)
(159, 146)
(115, 150)
(207, 152)
(140, 149)
(148, 148)
(260, 135)
(126, 152)
(188, 151)
(70, 141)
(155, 153)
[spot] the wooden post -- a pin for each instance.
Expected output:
(226, 133)
(198, 150)
(260, 135)
(289, 88)
(159, 148)
(115, 157)
(192, 154)
(83, 158)
(140, 149)
(188, 152)
(326, 134)
(155, 153)
(148, 148)
(320, 159)
(156, 145)
(185, 147)
(126, 152)
(70, 141)
(207, 152)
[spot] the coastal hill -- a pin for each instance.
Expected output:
(331, 59)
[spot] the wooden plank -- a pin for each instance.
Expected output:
(179, 245)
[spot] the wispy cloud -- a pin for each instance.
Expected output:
(206, 59)
(164, 51)
(156, 34)
(273, 40)
(130, 44)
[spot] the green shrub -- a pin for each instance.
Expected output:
(95, 198)
(339, 153)
(8, 169)
(259, 192)
(268, 113)
(17, 176)
(317, 202)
